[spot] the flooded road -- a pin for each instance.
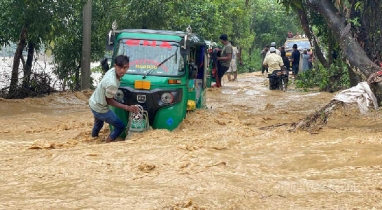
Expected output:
(237, 154)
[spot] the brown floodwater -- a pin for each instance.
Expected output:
(237, 154)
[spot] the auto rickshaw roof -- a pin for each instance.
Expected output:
(160, 35)
(296, 39)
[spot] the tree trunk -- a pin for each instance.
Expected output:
(305, 26)
(77, 80)
(251, 28)
(86, 45)
(16, 62)
(330, 50)
(355, 55)
(28, 66)
(372, 25)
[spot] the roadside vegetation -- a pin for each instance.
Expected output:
(251, 24)
(330, 79)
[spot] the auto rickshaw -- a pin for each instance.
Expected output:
(167, 76)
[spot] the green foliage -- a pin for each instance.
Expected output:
(358, 5)
(67, 46)
(251, 62)
(58, 24)
(272, 23)
(332, 79)
(355, 21)
(43, 19)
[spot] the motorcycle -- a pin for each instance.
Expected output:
(278, 79)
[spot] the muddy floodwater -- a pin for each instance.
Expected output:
(237, 154)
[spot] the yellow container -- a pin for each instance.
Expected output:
(191, 105)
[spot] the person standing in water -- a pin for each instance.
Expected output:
(233, 66)
(103, 97)
(224, 59)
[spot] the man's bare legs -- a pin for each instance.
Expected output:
(229, 76)
(234, 76)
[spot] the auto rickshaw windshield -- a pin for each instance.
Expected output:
(300, 44)
(147, 55)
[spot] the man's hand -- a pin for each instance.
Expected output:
(132, 108)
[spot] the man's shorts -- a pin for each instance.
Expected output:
(232, 68)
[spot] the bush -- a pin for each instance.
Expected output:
(41, 84)
(335, 78)
(250, 64)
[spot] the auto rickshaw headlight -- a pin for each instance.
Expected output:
(119, 96)
(167, 98)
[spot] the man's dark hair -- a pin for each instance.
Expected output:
(294, 46)
(267, 46)
(121, 60)
(224, 37)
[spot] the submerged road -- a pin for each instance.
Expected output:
(225, 157)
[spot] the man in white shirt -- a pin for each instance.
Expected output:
(273, 61)
(103, 96)
(233, 66)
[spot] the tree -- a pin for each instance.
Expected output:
(86, 45)
(58, 25)
(362, 68)
(34, 26)
(67, 46)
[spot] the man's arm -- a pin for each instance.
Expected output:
(292, 59)
(112, 102)
(109, 96)
(281, 62)
(228, 57)
(228, 51)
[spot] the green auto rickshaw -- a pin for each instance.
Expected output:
(167, 76)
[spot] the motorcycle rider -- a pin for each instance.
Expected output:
(273, 61)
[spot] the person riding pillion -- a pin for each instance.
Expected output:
(273, 44)
(273, 61)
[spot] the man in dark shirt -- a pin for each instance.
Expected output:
(224, 59)
(286, 61)
(295, 59)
